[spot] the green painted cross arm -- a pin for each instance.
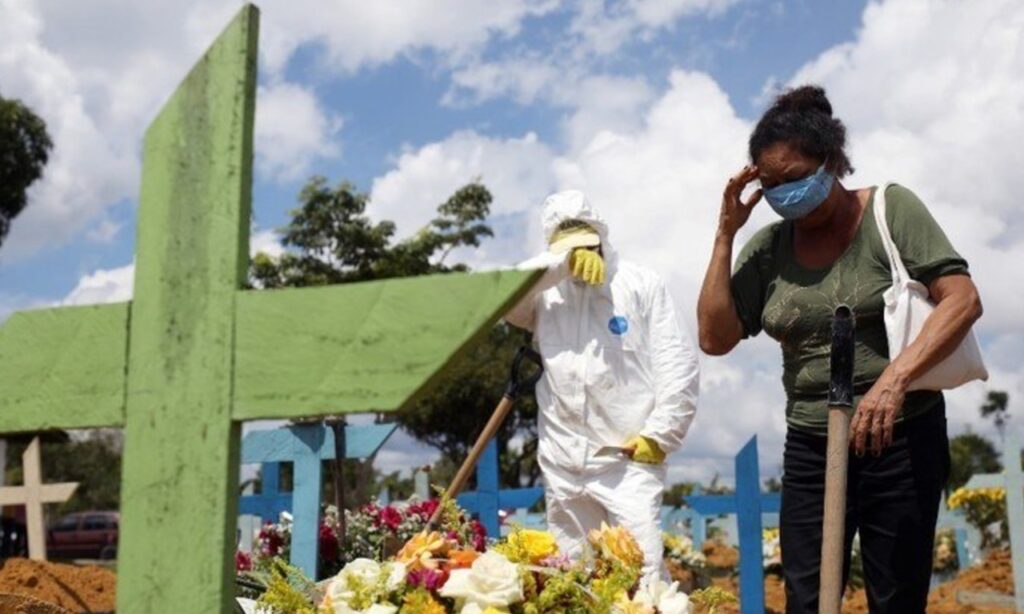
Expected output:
(63, 368)
(359, 347)
(354, 348)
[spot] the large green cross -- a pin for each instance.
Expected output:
(193, 355)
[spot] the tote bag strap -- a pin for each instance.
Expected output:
(899, 272)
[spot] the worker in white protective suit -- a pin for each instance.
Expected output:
(620, 381)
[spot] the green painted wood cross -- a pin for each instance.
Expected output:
(193, 355)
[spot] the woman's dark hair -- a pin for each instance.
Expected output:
(803, 117)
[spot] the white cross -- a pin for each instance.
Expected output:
(33, 494)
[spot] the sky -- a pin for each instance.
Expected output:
(644, 104)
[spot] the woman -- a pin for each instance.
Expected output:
(788, 279)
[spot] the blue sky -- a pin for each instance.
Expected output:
(646, 104)
(399, 103)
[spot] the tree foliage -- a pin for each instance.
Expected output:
(971, 453)
(995, 407)
(24, 150)
(331, 240)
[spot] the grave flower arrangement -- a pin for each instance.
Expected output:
(985, 508)
(441, 571)
(373, 532)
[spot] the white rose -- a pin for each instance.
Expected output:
(492, 581)
(363, 573)
(664, 596)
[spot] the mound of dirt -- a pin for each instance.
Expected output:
(78, 589)
(995, 575)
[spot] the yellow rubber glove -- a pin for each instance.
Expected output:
(587, 266)
(646, 450)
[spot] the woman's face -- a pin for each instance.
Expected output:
(781, 163)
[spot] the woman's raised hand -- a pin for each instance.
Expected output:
(735, 212)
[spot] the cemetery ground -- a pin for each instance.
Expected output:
(83, 589)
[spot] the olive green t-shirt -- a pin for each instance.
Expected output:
(794, 304)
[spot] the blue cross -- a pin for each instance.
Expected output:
(307, 446)
(487, 499)
(748, 503)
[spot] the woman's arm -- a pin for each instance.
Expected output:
(718, 323)
(957, 308)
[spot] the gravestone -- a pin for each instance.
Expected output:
(32, 494)
(193, 355)
(306, 446)
(966, 537)
(747, 504)
(488, 499)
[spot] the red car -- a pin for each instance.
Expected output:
(83, 535)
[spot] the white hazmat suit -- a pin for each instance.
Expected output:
(617, 364)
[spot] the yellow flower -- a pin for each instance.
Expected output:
(625, 605)
(421, 550)
(421, 602)
(617, 543)
(535, 546)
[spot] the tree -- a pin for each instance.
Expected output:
(331, 240)
(24, 150)
(995, 407)
(971, 453)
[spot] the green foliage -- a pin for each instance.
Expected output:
(24, 150)
(288, 590)
(711, 598)
(674, 494)
(971, 453)
(995, 407)
(331, 240)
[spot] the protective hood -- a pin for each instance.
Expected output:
(572, 205)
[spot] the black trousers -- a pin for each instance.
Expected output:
(892, 500)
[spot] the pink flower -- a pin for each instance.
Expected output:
(426, 509)
(430, 579)
(328, 542)
(390, 517)
(479, 537)
(243, 561)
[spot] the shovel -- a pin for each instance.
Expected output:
(518, 384)
(840, 406)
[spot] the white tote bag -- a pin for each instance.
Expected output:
(907, 305)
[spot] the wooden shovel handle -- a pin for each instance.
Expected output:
(490, 430)
(833, 538)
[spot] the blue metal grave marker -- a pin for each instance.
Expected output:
(305, 445)
(748, 503)
(271, 501)
(966, 537)
(487, 499)
(674, 517)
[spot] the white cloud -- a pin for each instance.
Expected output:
(97, 72)
(517, 171)
(292, 130)
(932, 97)
(116, 285)
(267, 242)
(103, 286)
(607, 26)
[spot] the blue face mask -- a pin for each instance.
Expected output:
(798, 198)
